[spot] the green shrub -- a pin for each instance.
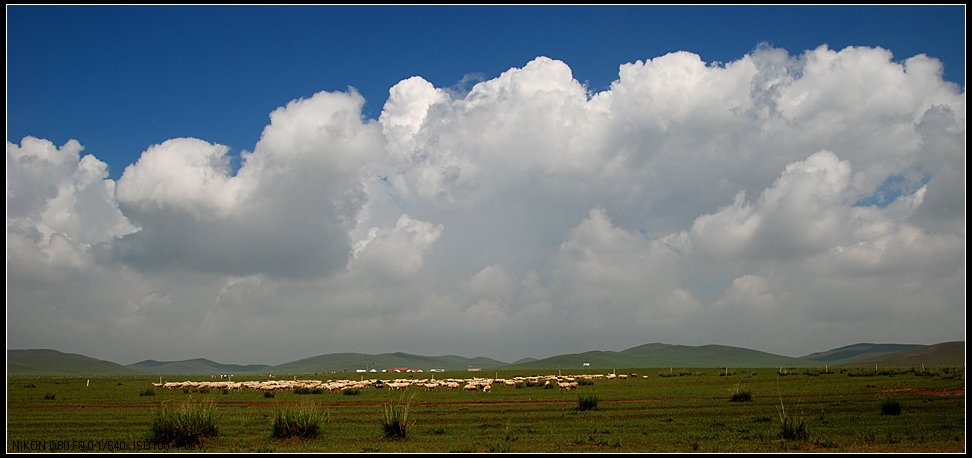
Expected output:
(49, 396)
(351, 391)
(147, 392)
(303, 421)
(585, 381)
(890, 406)
(184, 426)
(269, 393)
(394, 419)
(587, 402)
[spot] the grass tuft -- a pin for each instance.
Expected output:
(741, 395)
(791, 428)
(147, 392)
(394, 421)
(586, 402)
(890, 406)
(303, 422)
(184, 426)
(304, 390)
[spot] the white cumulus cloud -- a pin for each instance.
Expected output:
(742, 203)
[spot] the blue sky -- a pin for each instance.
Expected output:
(120, 79)
(507, 182)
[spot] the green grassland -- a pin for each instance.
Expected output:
(672, 410)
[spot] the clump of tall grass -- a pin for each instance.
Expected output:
(817, 372)
(890, 406)
(671, 373)
(890, 372)
(741, 395)
(303, 421)
(49, 396)
(269, 393)
(147, 392)
(583, 381)
(351, 391)
(394, 421)
(586, 402)
(791, 428)
(185, 425)
(305, 390)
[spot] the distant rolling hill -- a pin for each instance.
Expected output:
(946, 354)
(198, 366)
(858, 352)
(354, 361)
(53, 362)
(665, 355)
(653, 355)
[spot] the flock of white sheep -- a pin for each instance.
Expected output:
(564, 382)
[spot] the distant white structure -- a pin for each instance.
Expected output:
(587, 364)
(361, 370)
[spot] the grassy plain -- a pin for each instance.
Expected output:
(841, 411)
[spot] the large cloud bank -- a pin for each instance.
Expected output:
(784, 203)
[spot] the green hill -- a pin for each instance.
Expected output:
(338, 362)
(858, 352)
(198, 366)
(53, 362)
(950, 354)
(665, 355)
(946, 354)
